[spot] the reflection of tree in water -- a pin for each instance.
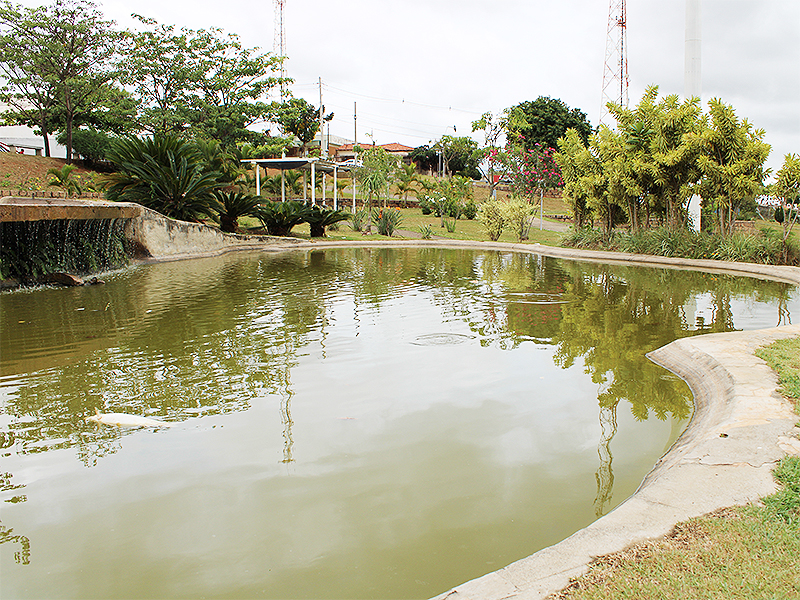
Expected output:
(209, 337)
(21, 556)
(207, 351)
(609, 317)
(8, 493)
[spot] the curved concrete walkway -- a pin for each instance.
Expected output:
(740, 428)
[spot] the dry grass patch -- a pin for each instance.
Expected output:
(741, 553)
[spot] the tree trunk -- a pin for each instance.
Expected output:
(45, 136)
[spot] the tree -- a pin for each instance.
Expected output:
(377, 166)
(460, 156)
(405, 178)
(544, 121)
(787, 189)
(29, 89)
(300, 118)
(75, 53)
(161, 67)
(425, 157)
(203, 81)
(493, 127)
(665, 133)
(731, 161)
(71, 55)
(572, 159)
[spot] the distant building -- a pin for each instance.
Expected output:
(347, 151)
(19, 145)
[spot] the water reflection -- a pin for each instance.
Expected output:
(193, 340)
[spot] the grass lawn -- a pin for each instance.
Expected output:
(413, 219)
(750, 552)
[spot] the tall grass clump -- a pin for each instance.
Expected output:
(763, 247)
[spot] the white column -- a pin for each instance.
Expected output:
(258, 179)
(692, 82)
(313, 181)
(335, 188)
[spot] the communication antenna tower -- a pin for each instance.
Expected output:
(615, 71)
(279, 41)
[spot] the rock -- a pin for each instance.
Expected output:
(61, 279)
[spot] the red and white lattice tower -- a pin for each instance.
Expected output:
(279, 41)
(615, 71)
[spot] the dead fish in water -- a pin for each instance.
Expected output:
(125, 420)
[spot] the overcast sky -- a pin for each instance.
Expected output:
(419, 68)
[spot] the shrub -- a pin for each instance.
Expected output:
(164, 173)
(517, 215)
(91, 145)
(470, 210)
(387, 220)
(63, 178)
(279, 217)
(229, 206)
(490, 214)
(358, 219)
(425, 231)
(320, 218)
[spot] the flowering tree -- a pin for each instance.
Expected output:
(532, 172)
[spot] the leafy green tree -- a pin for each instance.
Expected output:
(203, 81)
(71, 56)
(460, 156)
(731, 161)
(88, 143)
(573, 158)
(670, 148)
(425, 157)
(299, 118)
(544, 121)
(162, 69)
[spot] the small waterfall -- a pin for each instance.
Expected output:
(31, 249)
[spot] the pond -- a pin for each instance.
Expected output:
(348, 423)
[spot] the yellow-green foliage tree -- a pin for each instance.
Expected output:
(731, 161)
(787, 190)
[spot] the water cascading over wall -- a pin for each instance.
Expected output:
(32, 249)
(39, 237)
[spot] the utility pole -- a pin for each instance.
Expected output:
(323, 151)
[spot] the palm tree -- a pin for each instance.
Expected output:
(405, 179)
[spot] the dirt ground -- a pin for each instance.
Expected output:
(28, 172)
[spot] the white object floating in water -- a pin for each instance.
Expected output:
(125, 420)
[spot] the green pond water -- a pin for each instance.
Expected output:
(350, 423)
